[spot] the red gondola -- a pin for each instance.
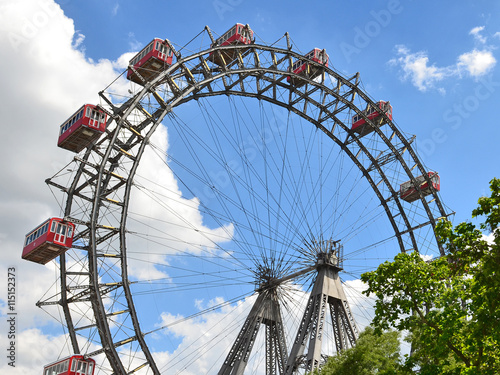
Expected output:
(74, 365)
(374, 114)
(237, 35)
(48, 240)
(408, 192)
(84, 127)
(306, 69)
(151, 61)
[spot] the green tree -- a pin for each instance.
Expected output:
(450, 304)
(372, 354)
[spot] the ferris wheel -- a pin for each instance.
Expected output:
(217, 189)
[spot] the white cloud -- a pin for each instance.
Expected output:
(360, 305)
(476, 33)
(115, 9)
(209, 337)
(44, 79)
(121, 63)
(134, 44)
(158, 209)
(476, 30)
(39, 88)
(477, 63)
(416, 67)
(424, 75)
(34, 349)
(79, 38)
(490, 238)
(206, 339)
(426, 257)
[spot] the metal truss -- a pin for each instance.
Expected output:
(266, 311)
(327, 296)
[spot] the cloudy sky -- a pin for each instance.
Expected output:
(435, 61)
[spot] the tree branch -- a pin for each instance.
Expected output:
(439, 332)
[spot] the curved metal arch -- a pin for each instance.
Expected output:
(62, 270)
(248, 71)
(98, 306)
(123, 247)
(95, 297)
(192, 92)
(289, 54)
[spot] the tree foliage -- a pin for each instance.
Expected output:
(450, 305)
(372, 354)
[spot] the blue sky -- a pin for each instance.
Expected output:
(437, 62)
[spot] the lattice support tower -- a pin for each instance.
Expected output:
(327, 296)
(265, 311)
